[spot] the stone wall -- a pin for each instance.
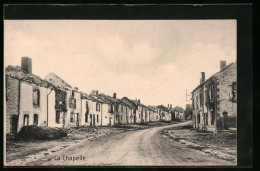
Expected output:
(224, 96)
(225, 79)
(12, 101)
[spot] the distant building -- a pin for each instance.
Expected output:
(88, 109)
(124, 112)
(96, 115)
(108, 110)
(164, 113)
(133, 108)
(153, 113)
(142, 114)
(214, 101)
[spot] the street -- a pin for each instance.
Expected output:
(122, 93)
(147, 147)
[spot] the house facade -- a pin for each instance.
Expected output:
(152, 113)
(25, 97)
(108, 109)
(96, 116)
(75, 102)
(214, 101)
(142, 114)
(164, 113)
(123, 113)
(132, 111)
(66, 109)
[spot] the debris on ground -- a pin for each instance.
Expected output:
(24, 150)
(222, 144)
(40, 133)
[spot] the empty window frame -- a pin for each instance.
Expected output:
(36, 97)
(234, 91)
(26, 120)
(57, 116)
(71, 117)
(35, 119)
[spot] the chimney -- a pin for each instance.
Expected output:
(76, 88)
(26, 65)
(222, 65)
(168, 105)
(202, 77)
(200, 80)
(93, 92)
(114, 95)
(96, 92)
(138, 101)
(171, 106)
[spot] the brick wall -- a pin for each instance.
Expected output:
(12, 100)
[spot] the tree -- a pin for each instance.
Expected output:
(178, 109)
(188, 111)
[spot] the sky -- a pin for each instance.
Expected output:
(155, 61)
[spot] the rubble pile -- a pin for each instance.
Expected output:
(40, 133)
(90, 130)
(221, 144)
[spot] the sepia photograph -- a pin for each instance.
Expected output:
(120, 92)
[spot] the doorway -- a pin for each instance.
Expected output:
(77, 121)
(14, 121)
(26, 120)
(110, 121)
(94, 123)
(90, 119)
(212, 116)
(198, 117)
(35, 119)
(64, 119)
(225, 120)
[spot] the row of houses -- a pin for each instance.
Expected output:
(214, 101)
(52, 102)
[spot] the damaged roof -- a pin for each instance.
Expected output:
(113, 100)
(98, 99)
(138, 104)
(163, 108)
(129, 102)
(110, 99)
(18, 73)
(57, 81)
(86, 96)
(105, 99)
(152, 108)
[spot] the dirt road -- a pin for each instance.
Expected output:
(147, 147)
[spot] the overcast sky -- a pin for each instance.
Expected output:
(152, 60)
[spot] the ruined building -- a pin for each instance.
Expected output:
(214, 101)
(26, 97)
(52, 102)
